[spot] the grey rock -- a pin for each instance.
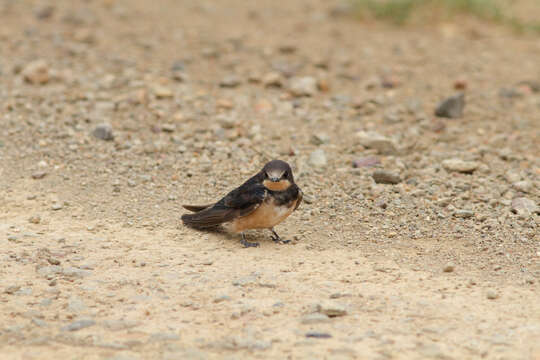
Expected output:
(372, 140)
(251, 344)
(492, 294)
(78, 325)
(24, 291)
(315, 318)
(57, 206)
(512, 177)
(164, 337)
(510, 93)
(246, 280)
(169, 128)
(43, 12)
(463, 214)
(386, 177)
(451, 107)
(45, 302)
(76, 273)
(317, 158)
(319, 139)
(116, 325)
(39, 322)
(524, 206)
(459, 165)
(523, 186)
(381, 202)
(103, 132)
(230, 81)
(303, 86)
(50, 270)
(13, 238)
(331, 308)
(38, 175)
(222, 298)
(318, 335)
(366, 162)
(75, 304)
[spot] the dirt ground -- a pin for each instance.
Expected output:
(95, 264)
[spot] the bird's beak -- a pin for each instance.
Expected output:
(274, 179)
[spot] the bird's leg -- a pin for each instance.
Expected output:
(246, 243)
(277, 239)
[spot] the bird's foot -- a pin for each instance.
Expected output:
(275, 238)
(248, 244)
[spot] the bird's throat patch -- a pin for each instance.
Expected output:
(277, 185)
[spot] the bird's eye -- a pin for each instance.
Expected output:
(285, 175)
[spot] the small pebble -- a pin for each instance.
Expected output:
(449, 268)
(303, 86)
(36, 72)
(57, 206)
(12, 289)
(318, 158)
(36, 219)
(463, 214)
(331, 309)
(230, 81)
(451, 107)
(318, 335)
(366, 162)
(386, 177)
(459, 165)
(103, 132)
(78, 325)
(38, 175)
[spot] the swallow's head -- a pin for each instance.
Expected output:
(277, 175)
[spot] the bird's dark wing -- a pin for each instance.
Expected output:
(239, 202)
(300, 197)
(244, 196)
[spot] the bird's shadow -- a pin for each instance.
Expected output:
(219, 230)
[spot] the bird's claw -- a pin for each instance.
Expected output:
(248, 244)
(275, 238)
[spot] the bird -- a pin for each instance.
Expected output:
(262, 202)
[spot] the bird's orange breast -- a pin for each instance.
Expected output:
(266, 216)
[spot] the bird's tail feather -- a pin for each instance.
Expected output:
(209, 217)
(197, 208)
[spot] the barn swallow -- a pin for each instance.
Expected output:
(262, 202)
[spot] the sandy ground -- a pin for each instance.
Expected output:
(95, 263)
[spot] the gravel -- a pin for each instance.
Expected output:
(79, 325)
(386, 177)
(317, 158)
(103, 132)
(331, 308)
(451, 107)
(303, 86)
(524, 206)
(381, 144)
(36, 72)
(462, 166)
